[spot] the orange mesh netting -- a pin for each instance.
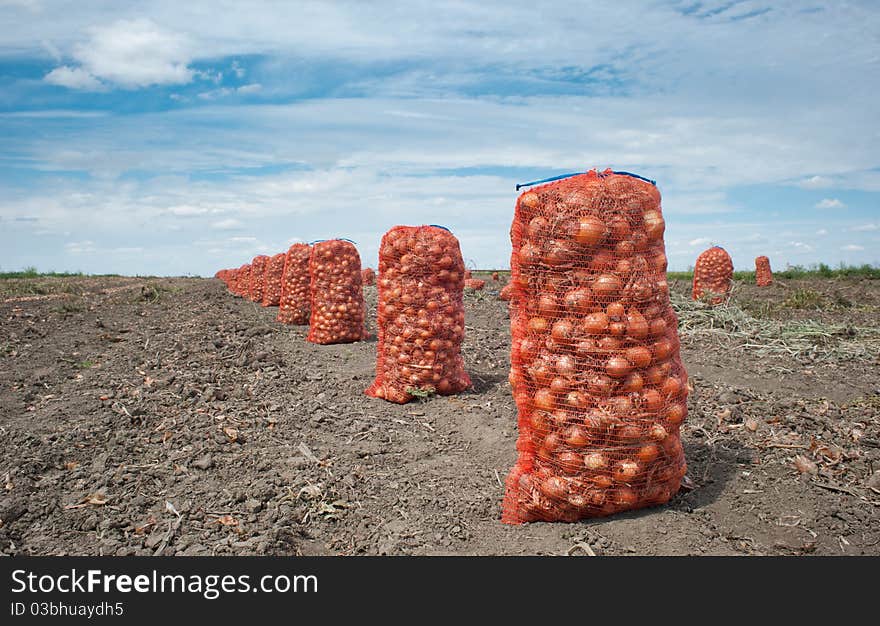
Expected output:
(368, 276)
(506, 290)
(467, 274)
(595, 368)
(241, 284)
(272, 280)
(420, 314)
(294, 307)
(763, 274)
(258, 273)
(476, 284)
(713, 273)
(495, 276)
(336, 293)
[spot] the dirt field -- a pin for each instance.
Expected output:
(164, 416)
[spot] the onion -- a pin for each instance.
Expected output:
(576, 400)
(632, 383)
(595, 323)
(652, 400)
(570, 462)
(553, 487)
(537, 228)
(578, 300)
(671, 387)
(590, 231)
(657, 327)
(617, 329)
(529, 200)
(576, 437)
(615, 311)
(606, 285)
(529, 255)
(625, 497)
(557, 254)
(544, 399)
(656, 432)
(562, 330)
(654, 225)
(625, 471)
(636, 325)
(538, 325)
(662, 350)
(595, 461)
(620, 229)
(675, 414)
(639, 356)
(546, 305)
(602, 260)
(617, 367)
(648, 453)
(600, 385)
(566, 365)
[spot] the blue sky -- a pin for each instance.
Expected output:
(177, 138)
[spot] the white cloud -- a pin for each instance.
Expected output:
(699, 241)
(80, 247)
(801, 246)
(865, 228)
(227, 91)
(816, 182)
(73, 78)
(822, 231)
(852, 247)
(188, 210)
(128, 53)
(227, 224)
(830, 203)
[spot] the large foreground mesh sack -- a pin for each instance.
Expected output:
(272, 280)
(595, 368)
(294, 306)
(713, 273)
(763, 274)
(368, 276)
(258, 273)
(420, 314)
(336, 293)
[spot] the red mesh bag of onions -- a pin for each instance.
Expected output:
(368, 276)
(336, 293)
(595, 370)
(272, 280)
(241, 284)
(713, 273)
(763, 274)
(294, 306)
(258, 273)
(420, 314)
(505, 293)
(476, 284)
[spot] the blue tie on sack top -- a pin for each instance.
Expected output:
(561, 176)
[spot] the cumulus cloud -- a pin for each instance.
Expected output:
(852, 247)
(128, 53)
(699, 241)
(830, 203)
(74, 78)
(822, 231)
(865, 228)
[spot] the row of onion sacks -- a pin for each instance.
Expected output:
(595, 370)
(420, 314)
(336, 293)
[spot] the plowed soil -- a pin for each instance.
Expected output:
(164, 416)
